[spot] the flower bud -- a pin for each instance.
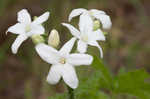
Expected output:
(35, 17)
(97, 25)
(105, 33)
(53, 39)
(37, 39)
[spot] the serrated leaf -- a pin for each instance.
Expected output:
(105, 73)
(89, 87)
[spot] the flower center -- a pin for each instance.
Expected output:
(62, 60)
(28, 28)
(84, 38)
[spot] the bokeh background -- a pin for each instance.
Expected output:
(22, 76)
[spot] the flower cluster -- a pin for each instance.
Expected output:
(63, 62)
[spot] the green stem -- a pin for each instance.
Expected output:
(70, 93)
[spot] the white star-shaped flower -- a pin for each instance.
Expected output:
(63, 63)
(26, 28)
(95, 14)
(86, 35)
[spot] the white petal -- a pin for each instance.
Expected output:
(76, 12)
(80, 59)
(17, 29)
(66, 49)
(72, 29)
(19, 40)
(82, 46)
(36, 29)
(104, 19)
(97, 35)
(94, 43)
(41, 18)
(95, 11)
(24, 17)
(54, 74)
(69, 76)
(47, 53)
(85, 23)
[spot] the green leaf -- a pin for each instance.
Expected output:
(133, 83)
(105, 73)
(93, 95)
(102, 95)
(89, 87)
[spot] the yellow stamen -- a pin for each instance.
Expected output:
(28, 28)
(62, 60)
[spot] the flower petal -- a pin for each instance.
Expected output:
(95, 11)
(17, 29)
(47, 53)
(19, 40)
(72, 29)
(66, 49)
(76, 12)
(97, 35)
(41, 18)
(94, 43)
(82, 46)
(69, 76)
(85, 23)
(54, 74)
(24, 17)
(104, 19)
(80, 59)
(36, 29)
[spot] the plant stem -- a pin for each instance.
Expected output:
(70, 93)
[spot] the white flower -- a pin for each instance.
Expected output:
(95, 14)
(86, 35)
(26, 28)
(63, 63)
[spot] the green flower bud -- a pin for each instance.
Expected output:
(53, 39)
(97, 25)
(36, 38)
(35, 17)
(105, 33)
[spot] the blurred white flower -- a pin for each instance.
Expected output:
(62, 62)
(86, 35)
(95, 14)
(26, 28)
